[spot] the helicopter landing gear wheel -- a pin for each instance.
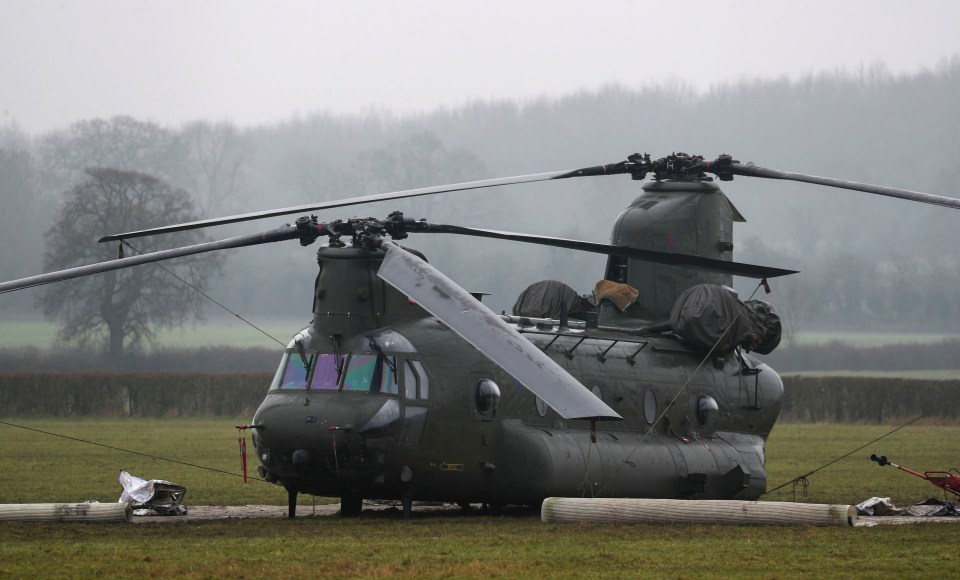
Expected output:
(465, 506)
(407, 502)
(351, 504)
(493, 508)
(291, 501)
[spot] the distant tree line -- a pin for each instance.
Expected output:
(868, 262)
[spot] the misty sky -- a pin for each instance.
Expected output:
(256, 62)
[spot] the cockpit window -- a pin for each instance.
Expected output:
(371, 373)
(360, 370)
(388, 375)
(278, 376)
(368, 373)
(294, 372)
(325, 374)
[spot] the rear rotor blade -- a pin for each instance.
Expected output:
(499, 341)
(757, 171)
(669, 258)
(353, 201)
(277, 235)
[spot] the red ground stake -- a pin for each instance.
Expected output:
(243, 450)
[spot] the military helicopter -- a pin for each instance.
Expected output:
(407, 387)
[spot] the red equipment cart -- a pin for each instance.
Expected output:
(948, 481)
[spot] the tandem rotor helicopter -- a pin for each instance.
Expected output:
(406, 387)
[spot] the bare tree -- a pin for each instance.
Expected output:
(420, 160)
(120, 142)
(122, 310)
(217, 154)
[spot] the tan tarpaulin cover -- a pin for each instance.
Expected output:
(621, 295)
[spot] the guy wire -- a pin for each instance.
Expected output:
(88, 442)
(207, 296)
(802, 478)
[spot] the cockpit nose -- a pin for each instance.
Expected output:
(325, 410)
(324, 435)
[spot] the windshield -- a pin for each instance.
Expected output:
(325, 374)
(368, 373)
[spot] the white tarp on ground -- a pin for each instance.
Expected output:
(152, 497)
(882, 506)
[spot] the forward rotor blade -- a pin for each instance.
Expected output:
(757, 171)
(500, 342)
(669, 258)
(277, 235)
(599, 170)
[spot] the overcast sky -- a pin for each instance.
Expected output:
(256, 62)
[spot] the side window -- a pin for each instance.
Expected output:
(409, 381)
(487, 398)
(388, 375)
(278, 376)
(416, 385)
(650, 406)
(424, 380)
(542, 408)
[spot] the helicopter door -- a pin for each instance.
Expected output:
(416, 395)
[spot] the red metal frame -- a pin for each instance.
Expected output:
(948, 481)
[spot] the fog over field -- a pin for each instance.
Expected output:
(248, 107)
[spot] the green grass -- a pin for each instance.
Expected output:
(20, 333)
(41, 468)
(795, 449)
(36, 467)
(504, 547)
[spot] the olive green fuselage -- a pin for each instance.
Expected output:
(395, 405)
(442, 447)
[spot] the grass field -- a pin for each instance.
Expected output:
(35, 467)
